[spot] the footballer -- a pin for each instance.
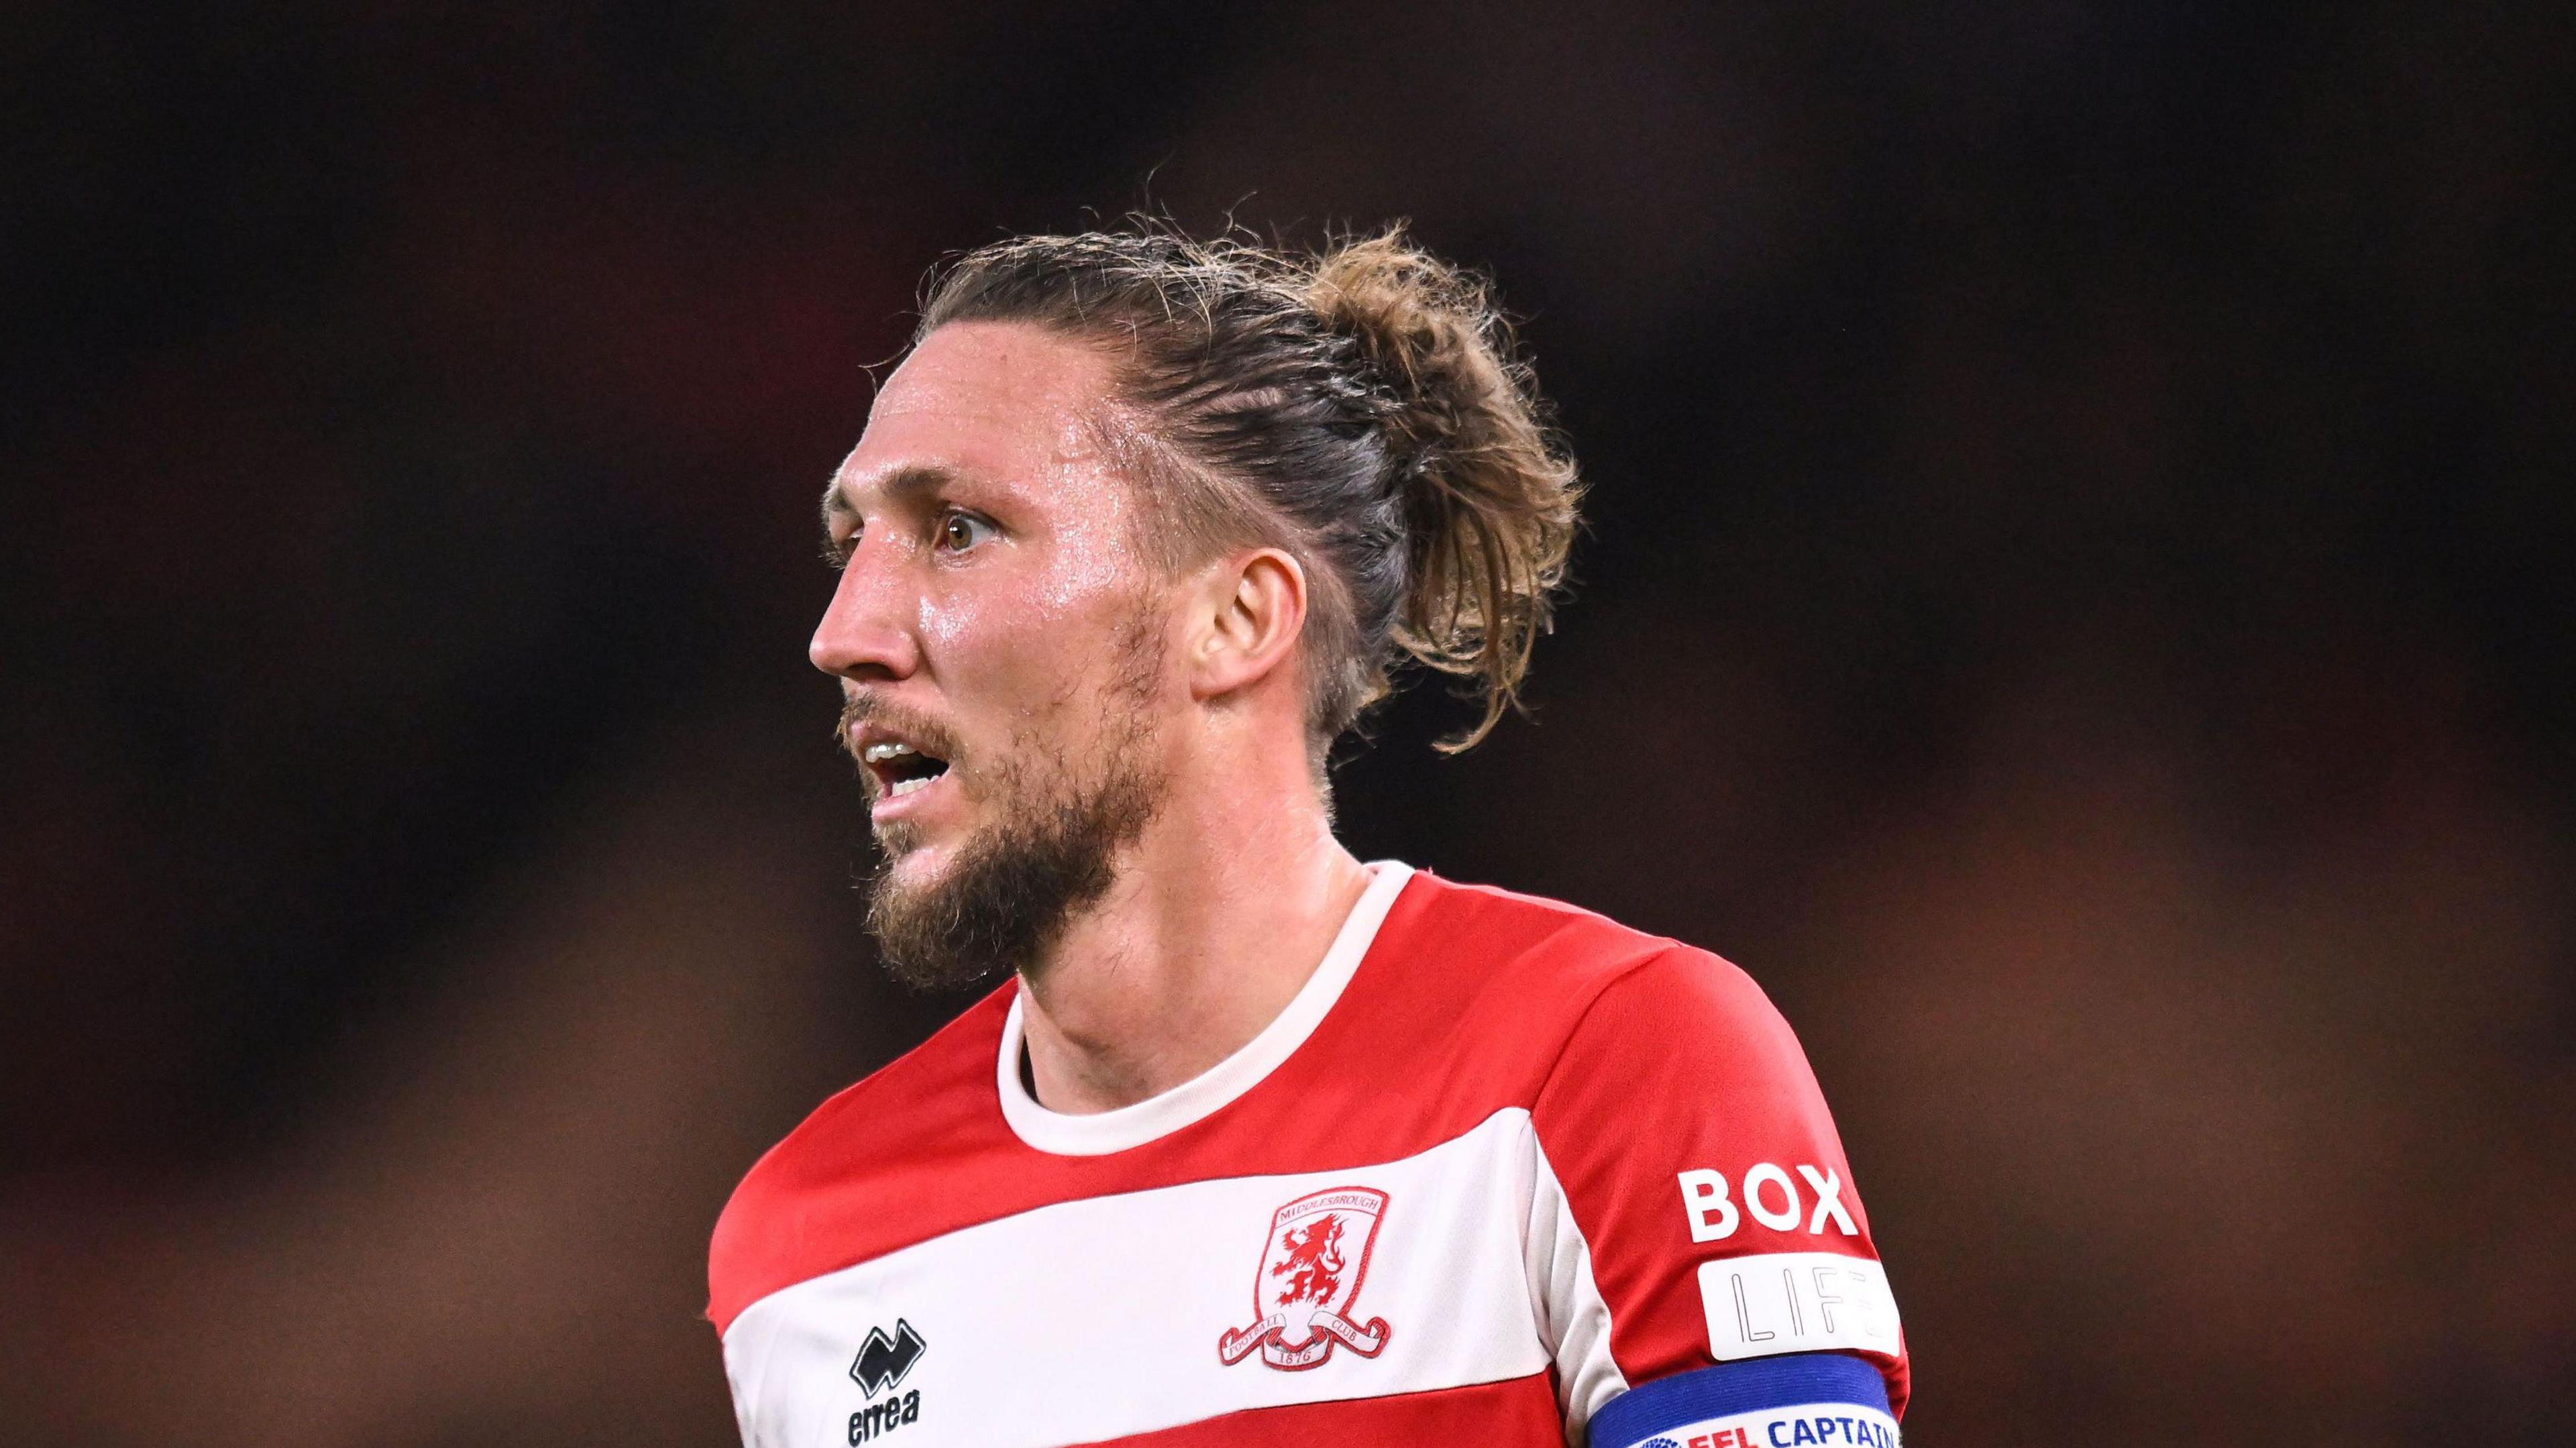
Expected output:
(1256, 1143)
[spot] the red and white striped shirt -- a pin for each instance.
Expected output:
(1498, 1162)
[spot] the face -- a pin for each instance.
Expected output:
(999, 637)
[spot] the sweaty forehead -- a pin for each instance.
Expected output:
(997, 398)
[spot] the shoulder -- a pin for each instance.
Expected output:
(1556, 958)
(1529, 940)
(917, 1108)
(1526, 976)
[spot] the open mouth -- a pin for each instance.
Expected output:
(899, 768)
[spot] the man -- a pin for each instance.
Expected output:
(1136, 531)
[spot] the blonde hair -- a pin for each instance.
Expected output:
(1363, 407)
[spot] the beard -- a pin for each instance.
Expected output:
(1012, 889)
(1019, 881)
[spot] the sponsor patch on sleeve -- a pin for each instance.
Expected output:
(1784, 1302)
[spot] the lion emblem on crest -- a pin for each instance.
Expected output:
(1312, 1265)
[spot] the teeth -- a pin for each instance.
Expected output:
(903, 787)
(881, 752)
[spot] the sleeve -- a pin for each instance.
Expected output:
(1716, 1232)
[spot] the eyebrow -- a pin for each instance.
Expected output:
(901, 484)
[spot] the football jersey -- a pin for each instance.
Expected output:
(1498, 1163)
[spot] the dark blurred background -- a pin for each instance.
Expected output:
(2079, 602)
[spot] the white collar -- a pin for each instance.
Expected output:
(1101, 1133)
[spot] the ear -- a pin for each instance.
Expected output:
(1250, 611)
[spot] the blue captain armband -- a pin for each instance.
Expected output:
(1804, 1400)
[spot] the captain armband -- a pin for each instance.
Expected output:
(1812, 1400)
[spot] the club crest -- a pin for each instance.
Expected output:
(1311, 1268)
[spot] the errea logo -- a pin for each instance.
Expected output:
(1769, 1196)
(883, 1361)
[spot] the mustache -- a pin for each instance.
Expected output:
(920, 730)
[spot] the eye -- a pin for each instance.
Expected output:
(961, 531)
(837, 548)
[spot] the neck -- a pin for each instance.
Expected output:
(1219, 915)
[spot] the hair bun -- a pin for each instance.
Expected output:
(1489, 494)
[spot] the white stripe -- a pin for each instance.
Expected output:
(1100, 1318)
(1573, 1319)
(1202, 1095)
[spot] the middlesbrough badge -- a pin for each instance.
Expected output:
(1311, 1268)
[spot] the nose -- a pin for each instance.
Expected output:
(866, 631)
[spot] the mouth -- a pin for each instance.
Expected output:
(900, 767)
